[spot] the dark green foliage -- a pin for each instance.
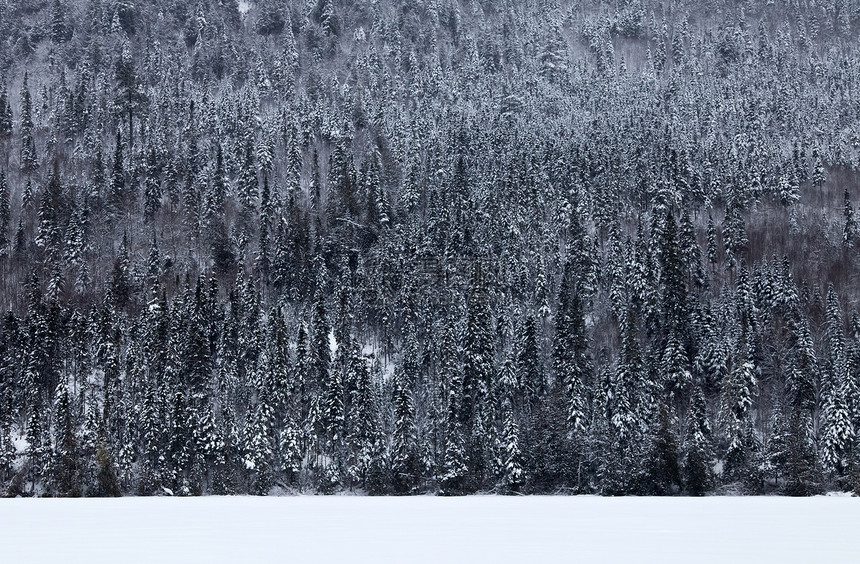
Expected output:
(697, 451)
(402, 249)
(107, 483)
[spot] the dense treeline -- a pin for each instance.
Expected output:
(429, 246)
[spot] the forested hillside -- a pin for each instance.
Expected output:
(444, 246)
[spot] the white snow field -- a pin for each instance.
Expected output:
(347, 529)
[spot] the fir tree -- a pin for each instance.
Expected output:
(5, 113)
(571, 361)
(29, 159)
(478, 351)
(736, 399)
(849, 229)
(5, 215)
(512, 468)
(697, 450)
(66, 465)
(404, 463)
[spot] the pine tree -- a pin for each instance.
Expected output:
(800, 470)
(29, 160)
(571, 361)
(736, 399)
(673, 293)
(51, 203)
(478, 350)
(849, 230)
(818, 176)
(259, 451)
(803, 370)
(66, 472)
(674, 366)
(5, 113)
(513, 476)
(697, 449)
(626, 384)
(455, 474)
(117, 191)
(152, 186)
(129, 99)
(60, 30)
(36, 455)
(5, 215)
(404, 463)
(776, 447)
(837, 428)
(662, 472)
(107, 482)
(529, 364)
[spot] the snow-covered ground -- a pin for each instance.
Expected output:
(429, 529)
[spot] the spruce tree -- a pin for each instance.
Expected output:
(736, 399)
(849, 229)
(5, 215)
(571, 360)
(404, 462)
(529, 364)
(478, 350)
(29, 159)
(697, 448)
(66, 464)
(5, 113)
(673, 292)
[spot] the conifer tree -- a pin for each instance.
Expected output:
(404, 463)
(478, 350)
(117, 191)
(736, 399)
(29, 159)
(66, 465)
(849, 229)
(697, 449)
(5, 215)
(712, 241)
(5, 113)
(571, 361)
(672, 280)
(129, 96)
(513, 476)
(152, 186)
(529, 364)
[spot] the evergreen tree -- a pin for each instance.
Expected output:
(672, 279)
(571, 361)
(60, 30)
(512, 477)
(736, 399)
(152, 186)
(66, 465)
(478, 351)
(5, 113)
(129, 98)
(697, 449)
(529, 364)
(712, 241)
(29, 159)
(404, 463)
(117, 193)
(5, 215)
(849, 230)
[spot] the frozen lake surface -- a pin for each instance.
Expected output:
(349, 529)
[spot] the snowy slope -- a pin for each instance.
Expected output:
(431, 529)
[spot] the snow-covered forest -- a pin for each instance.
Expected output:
(429, 246)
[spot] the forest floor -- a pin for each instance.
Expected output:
(431, 529)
